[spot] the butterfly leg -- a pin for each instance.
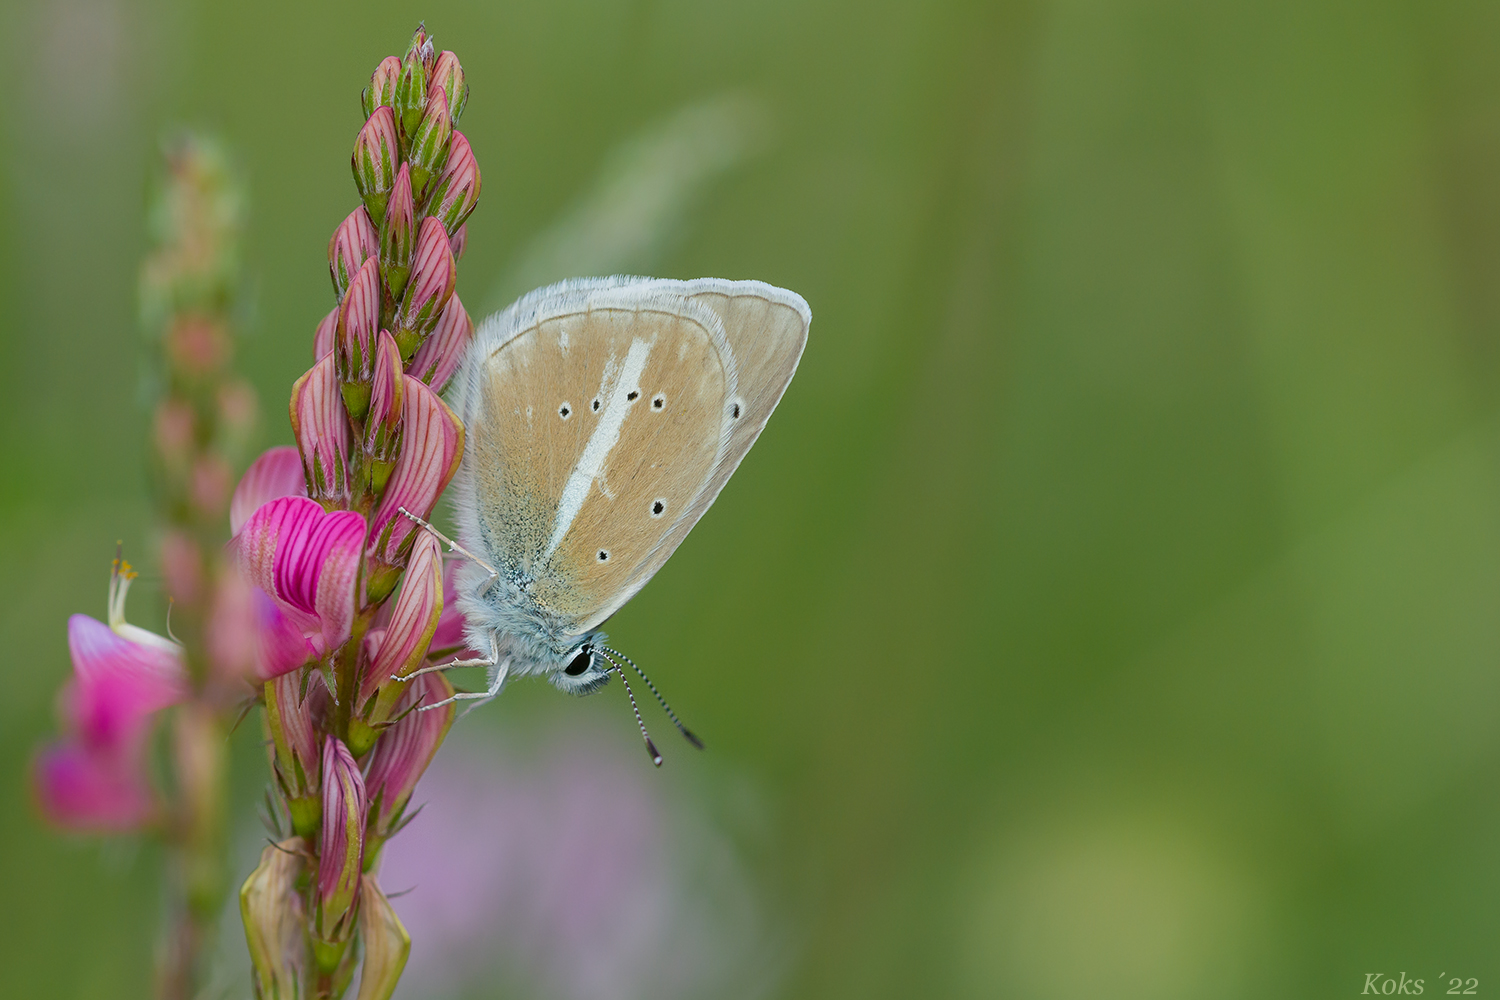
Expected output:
(487, 661)
(452, 546)
(479, 696)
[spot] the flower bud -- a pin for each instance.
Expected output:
(433, 273)
(404, 751)
(431, 447)
(383, 425)
(327, 335)
(382, 88)
(414, 619)
(459, 241)
(421, 47)
(428, 146)
(322, 432)
(359, 320)
(341, 849)
(352, 243)
(295, 759)
(271, 909)
(387, 944)
(375, 157)
(411, 90)
(456, 190)
(398, 234)
(438, 357)
(448, 74)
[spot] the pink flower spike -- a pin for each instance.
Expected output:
(405, 750)
(84, 789)
(431, 449)
(456, 191)
(322, 432)
(414, 618)
(327, 336)
(342, 849)
(307, 560)
(438, 357)
(276, 473)
(353, 242)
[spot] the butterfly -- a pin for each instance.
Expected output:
(602, 418)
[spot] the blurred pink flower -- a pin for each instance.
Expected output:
(95, 777)
(569, 872)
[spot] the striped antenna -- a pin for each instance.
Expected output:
(684, 730)
(650, 747)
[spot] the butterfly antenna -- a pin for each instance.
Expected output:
(687, 733)
(650, 747)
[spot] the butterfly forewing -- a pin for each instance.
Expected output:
(592, 434)
(766, 330)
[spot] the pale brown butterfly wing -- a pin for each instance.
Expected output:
(766, 328)
(592, 431)
(636, 493)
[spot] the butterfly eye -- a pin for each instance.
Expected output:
(579, 663)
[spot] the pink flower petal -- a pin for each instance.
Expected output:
(119, 681)
(84, 789)
(308, 560)
(280, 645)
(414, 618)
(276, 473)
(430, 452)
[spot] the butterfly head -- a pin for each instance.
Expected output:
(581, 669)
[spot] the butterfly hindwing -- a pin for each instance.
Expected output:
(593, 429)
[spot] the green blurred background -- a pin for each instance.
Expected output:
(1109, 609)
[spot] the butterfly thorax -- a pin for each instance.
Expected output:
(501, 616)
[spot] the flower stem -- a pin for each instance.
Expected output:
(196, 844)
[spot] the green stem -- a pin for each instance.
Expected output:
(196, 849)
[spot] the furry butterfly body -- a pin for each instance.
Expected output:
(603, 416)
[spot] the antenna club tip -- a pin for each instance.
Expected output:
(694, 740)
(655, 754)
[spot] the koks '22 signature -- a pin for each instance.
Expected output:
(1380, 983)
